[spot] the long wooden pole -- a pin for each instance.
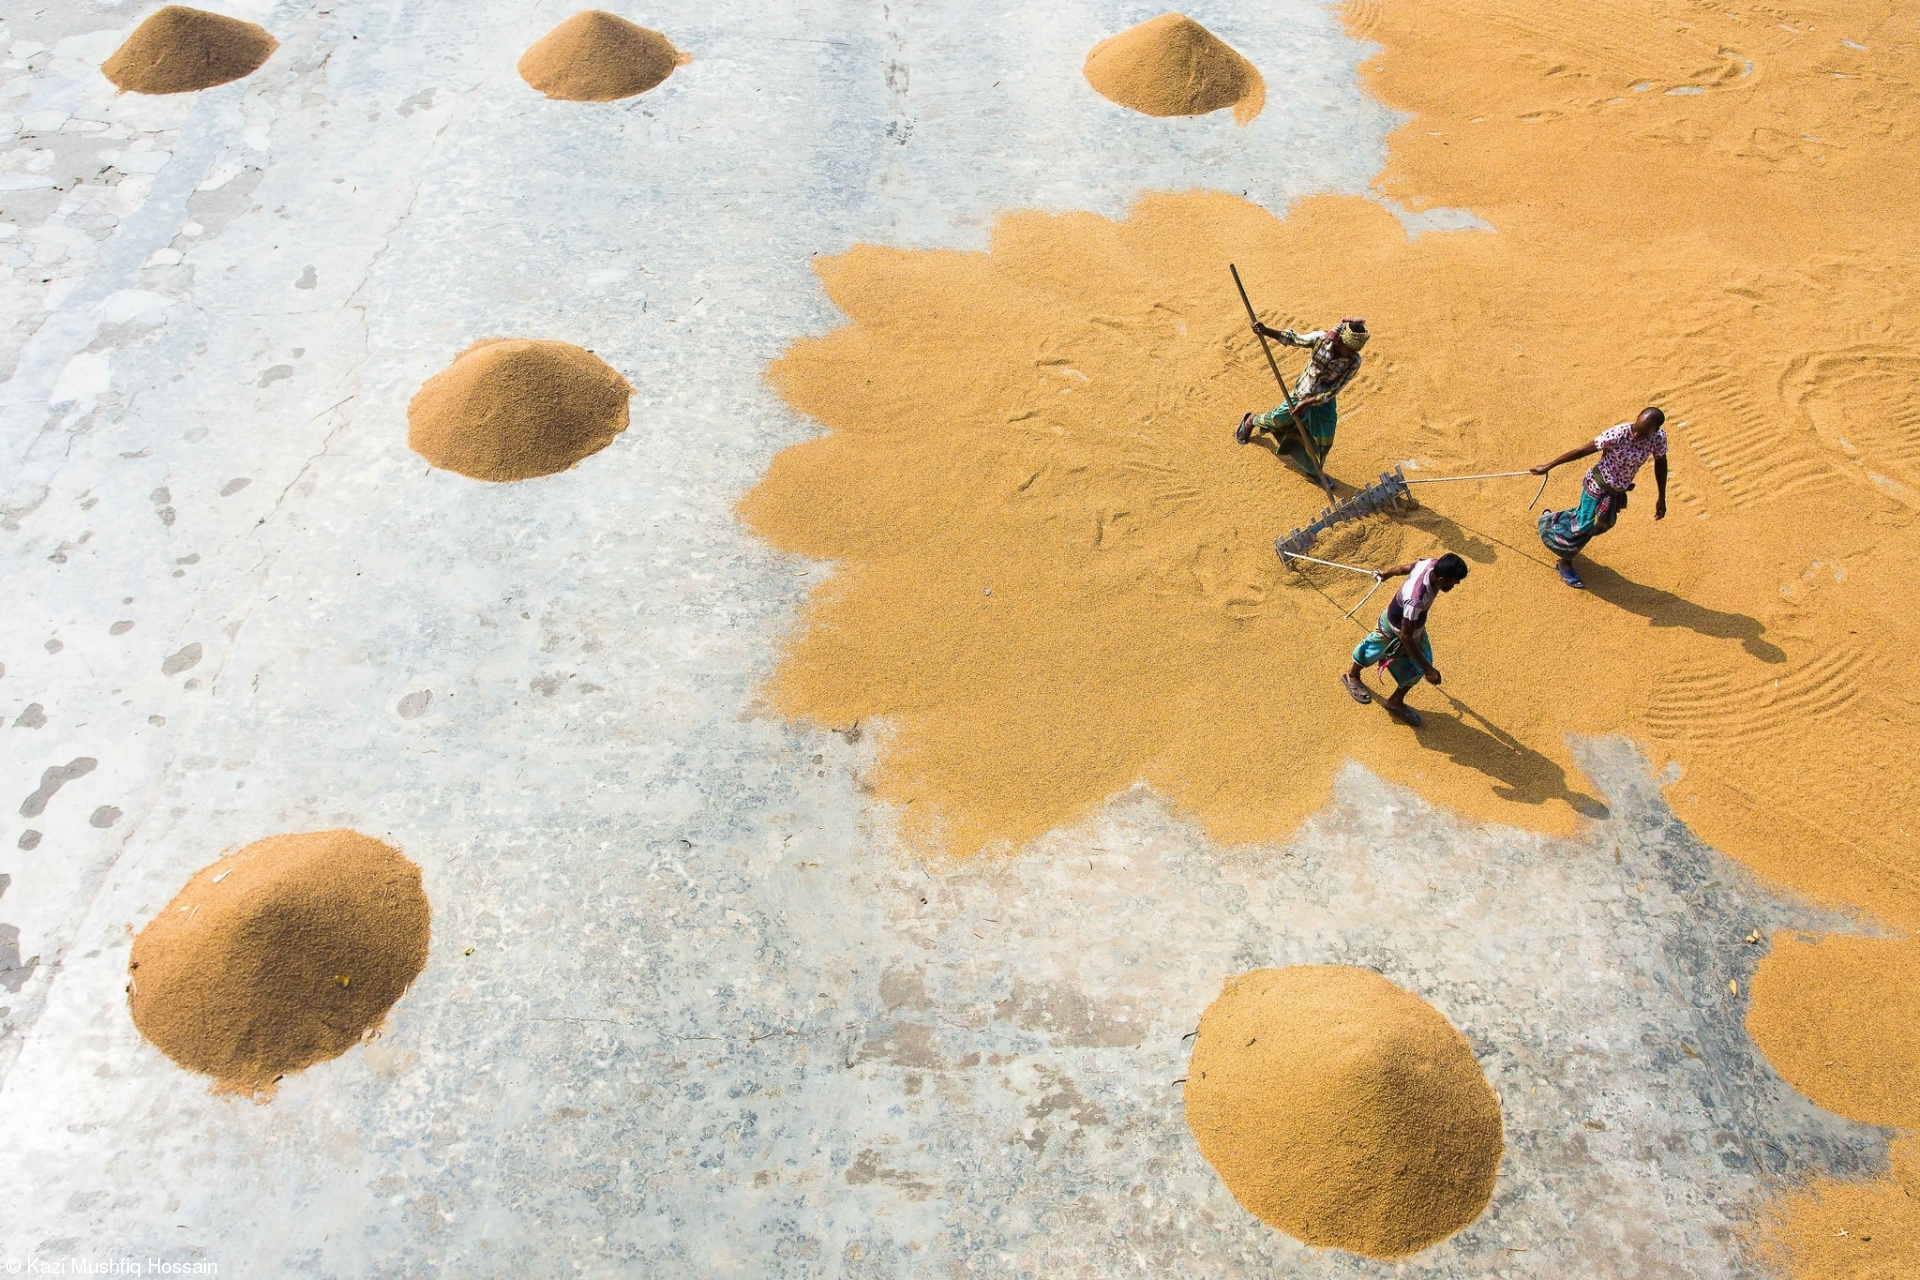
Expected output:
(1293, 411)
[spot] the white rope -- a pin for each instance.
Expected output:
(1541, 490)
(1378, 583)
(1291, 556)
(1491, 475)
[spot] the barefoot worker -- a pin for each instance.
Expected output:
(1398, 643)
(1334, 360)
(1603, 494)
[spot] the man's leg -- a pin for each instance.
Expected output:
(1322, 422)
(1567, 533)
(1296, 450)
(1317, 424)
(1561, 532)
(1275, 420)
(1368, 651)
(1396, 705)
(1407, 673)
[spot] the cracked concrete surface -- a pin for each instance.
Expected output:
(712, 1018)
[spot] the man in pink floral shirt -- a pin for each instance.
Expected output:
(1623, 451)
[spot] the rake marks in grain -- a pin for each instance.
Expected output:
(1700, 704)
(1754, 455)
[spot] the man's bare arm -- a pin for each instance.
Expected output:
(1586, 450)
(1410, 645)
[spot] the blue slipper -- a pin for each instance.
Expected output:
(1568, 576)
(1245, 431)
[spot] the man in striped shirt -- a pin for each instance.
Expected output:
(1398, 643)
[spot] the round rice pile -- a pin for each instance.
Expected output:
(1173, 66)
(597, 57)
(515, 408)
(279, 956)
(1344, 1111)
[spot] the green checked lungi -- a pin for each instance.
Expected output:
(1381, 648)
(1566, 533)
(1320, 421)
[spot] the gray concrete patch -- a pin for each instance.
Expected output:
(52, 779)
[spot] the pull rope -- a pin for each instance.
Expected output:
(1491, 475)
(1379, 582)
(1291, 556)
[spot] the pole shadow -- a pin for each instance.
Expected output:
(1664, 609)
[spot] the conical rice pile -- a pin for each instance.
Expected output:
(179, 50)
(516, 408)
(1173, 66)
(595, 56)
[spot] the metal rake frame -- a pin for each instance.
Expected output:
(1387, 493)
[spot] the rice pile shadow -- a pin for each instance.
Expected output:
(595, 56)
(1343, 1110)
(517, 408)
(281, 955)
(1173, 66)
(180, 50)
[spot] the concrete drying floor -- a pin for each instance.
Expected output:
(714, 1021)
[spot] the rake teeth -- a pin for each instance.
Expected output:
(1384, 494)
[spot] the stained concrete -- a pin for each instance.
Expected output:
(689, 1008)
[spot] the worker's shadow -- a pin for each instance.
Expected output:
(1451, 534)
(1665, 609)
(1265, 440)
(1268, 441)
(1521, 773)
(1291, 463)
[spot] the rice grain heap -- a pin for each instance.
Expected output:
(1839, 1017)
(179, 50)
(1837, 1229)
(595, 56)
(279, 956)
(516, 408)
(1342, 1110)
(1173, 66)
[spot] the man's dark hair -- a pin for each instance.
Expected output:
(1451, 567)
(1659, 415)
